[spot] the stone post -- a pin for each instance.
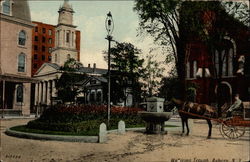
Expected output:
(102, 133)
(121, 127)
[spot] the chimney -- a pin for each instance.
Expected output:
(88, 65)
(94, 67)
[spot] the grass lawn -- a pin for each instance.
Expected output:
(23, 128)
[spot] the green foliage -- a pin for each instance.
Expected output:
(67, 88)
(170, 88)
(71, 65)
(152, 75)
(127, 68)
(66, 85)
(191, 91)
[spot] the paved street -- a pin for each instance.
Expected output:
(133, 147)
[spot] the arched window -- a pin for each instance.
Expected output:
(22, 38)
(6, 7)
(21, 62)
(19, 93)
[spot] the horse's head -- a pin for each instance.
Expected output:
(178, 103)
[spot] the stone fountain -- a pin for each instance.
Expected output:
(155, 116)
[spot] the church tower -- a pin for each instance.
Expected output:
(65, 42)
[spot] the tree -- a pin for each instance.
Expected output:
(66, 85)
(126, 69)
(153, 73)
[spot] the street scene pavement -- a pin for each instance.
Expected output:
(134, 146)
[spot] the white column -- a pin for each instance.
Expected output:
(40, 93)
(53, 88)
(48, 92)
(44, 93)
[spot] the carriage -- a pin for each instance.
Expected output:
(230, 127)
(234, 127)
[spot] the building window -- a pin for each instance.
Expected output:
(44, 30)
(43, 48)
(67, 37)
(92, 82)
(35, 56)
(49, 49)
(92, 97)
(224, 62)
(36, 38)
(50, 40)
(19, 93)
(36, 29)
(6, 7)
(50, 32)
(22, 38)
(21, 62)
(34, 66)
(35, 47)
(49, 58)
(99, 96)
(44, 39)
(43, 57)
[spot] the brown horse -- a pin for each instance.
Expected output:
(200, 111)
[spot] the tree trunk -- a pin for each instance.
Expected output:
(181, 69)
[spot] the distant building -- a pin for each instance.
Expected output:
(43, 41)
(67, 45)
(15, 57)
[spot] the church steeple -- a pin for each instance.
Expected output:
(65, 42)
(65, 14)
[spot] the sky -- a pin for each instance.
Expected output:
(89, 17)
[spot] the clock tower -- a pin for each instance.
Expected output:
(65, 43)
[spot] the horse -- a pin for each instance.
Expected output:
(199, 111)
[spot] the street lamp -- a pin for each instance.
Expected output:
(109, 24)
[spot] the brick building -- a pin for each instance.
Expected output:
(43, 41)
(221, 69)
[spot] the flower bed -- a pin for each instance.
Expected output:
(84, 118)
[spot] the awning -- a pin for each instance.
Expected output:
(17, 78)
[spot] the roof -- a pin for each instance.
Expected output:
(88, 70)
(21, 10)
(99, 78)
(55, 66)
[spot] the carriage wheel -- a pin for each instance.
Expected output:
(231, 132)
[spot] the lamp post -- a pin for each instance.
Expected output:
(109, 24)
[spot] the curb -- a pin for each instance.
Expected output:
(87, 139)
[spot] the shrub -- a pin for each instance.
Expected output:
(84, 118)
